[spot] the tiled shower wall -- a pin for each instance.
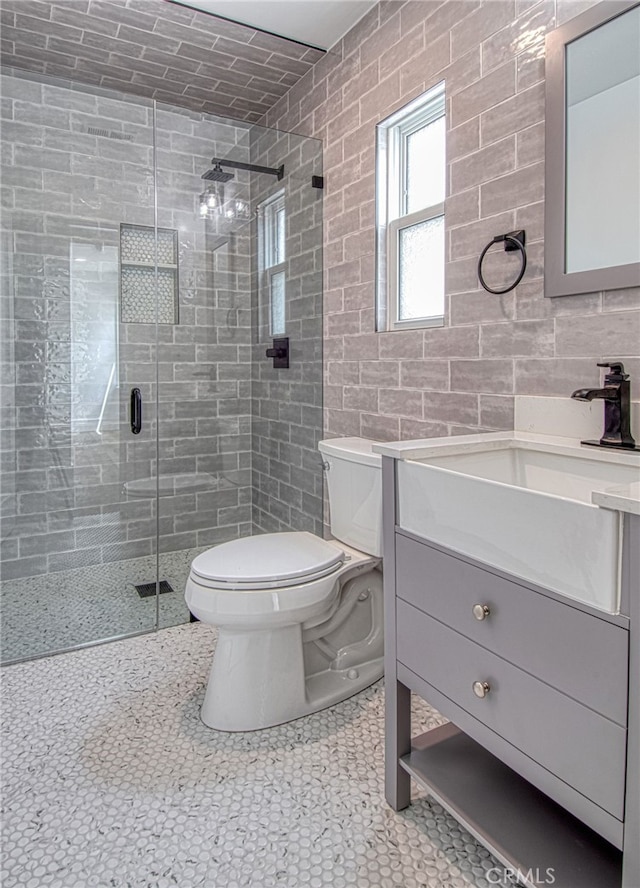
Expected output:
(204, 387)
(287, 404)
(463, 376)
(65, 194)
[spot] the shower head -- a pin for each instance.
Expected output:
(217, 174)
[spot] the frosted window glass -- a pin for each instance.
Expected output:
(277, 304)
(272, 232)
(426, 166)
(421, 270)
(280, 227)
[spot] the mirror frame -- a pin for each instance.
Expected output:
(557, 282)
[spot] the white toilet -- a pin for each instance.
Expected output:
(299, 618)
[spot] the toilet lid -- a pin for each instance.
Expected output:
(271, 559)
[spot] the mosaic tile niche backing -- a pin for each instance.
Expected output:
(142, 282)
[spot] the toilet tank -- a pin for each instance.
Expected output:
(354, 480)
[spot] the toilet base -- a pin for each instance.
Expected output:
(322, 690)
(258, 678)
(330, 687)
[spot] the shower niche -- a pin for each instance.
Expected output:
(149, 288)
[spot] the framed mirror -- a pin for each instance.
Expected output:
(592, 178)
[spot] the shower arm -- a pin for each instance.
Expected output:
(250, 167)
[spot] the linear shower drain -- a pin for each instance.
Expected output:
(146, 590)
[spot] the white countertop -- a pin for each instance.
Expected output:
(625, 498)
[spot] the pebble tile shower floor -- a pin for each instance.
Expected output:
(111, 780)
(55, 611)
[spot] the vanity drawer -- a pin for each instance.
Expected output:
(581, 747)
(553, 641)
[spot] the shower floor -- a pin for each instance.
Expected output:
(62, 610)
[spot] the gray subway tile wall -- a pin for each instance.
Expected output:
(204, 419)
(491, 56)
(71, 496)
(256, 423)
(64, 494)
(287, 404)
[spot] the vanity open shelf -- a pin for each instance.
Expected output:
(523, 828)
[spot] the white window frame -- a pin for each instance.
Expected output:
(392, 218)
(268, 266)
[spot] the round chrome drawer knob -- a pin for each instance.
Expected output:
(481, 688)
(481, 611)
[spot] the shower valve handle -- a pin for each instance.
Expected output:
(279, 353)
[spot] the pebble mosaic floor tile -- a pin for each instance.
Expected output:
(61, 610)
(111, 780)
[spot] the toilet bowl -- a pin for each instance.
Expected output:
(299, 618)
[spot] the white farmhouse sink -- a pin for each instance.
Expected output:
(525, 509)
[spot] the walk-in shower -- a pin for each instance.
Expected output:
(141, 419)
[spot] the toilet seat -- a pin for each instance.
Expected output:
(275, 602)
(268, 561)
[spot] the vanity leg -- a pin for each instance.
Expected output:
(398, 743)
(630, 586)
(397, 712)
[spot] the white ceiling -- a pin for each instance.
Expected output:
(318, 23)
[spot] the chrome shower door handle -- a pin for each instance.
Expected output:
(135, 411)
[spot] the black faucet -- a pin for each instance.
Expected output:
(616, 394)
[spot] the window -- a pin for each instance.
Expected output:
(410, 189)
(271, 253)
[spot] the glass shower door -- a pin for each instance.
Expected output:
(79, 348)
(205, 402)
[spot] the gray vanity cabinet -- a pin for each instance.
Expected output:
(539, 760)
(543, 636)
